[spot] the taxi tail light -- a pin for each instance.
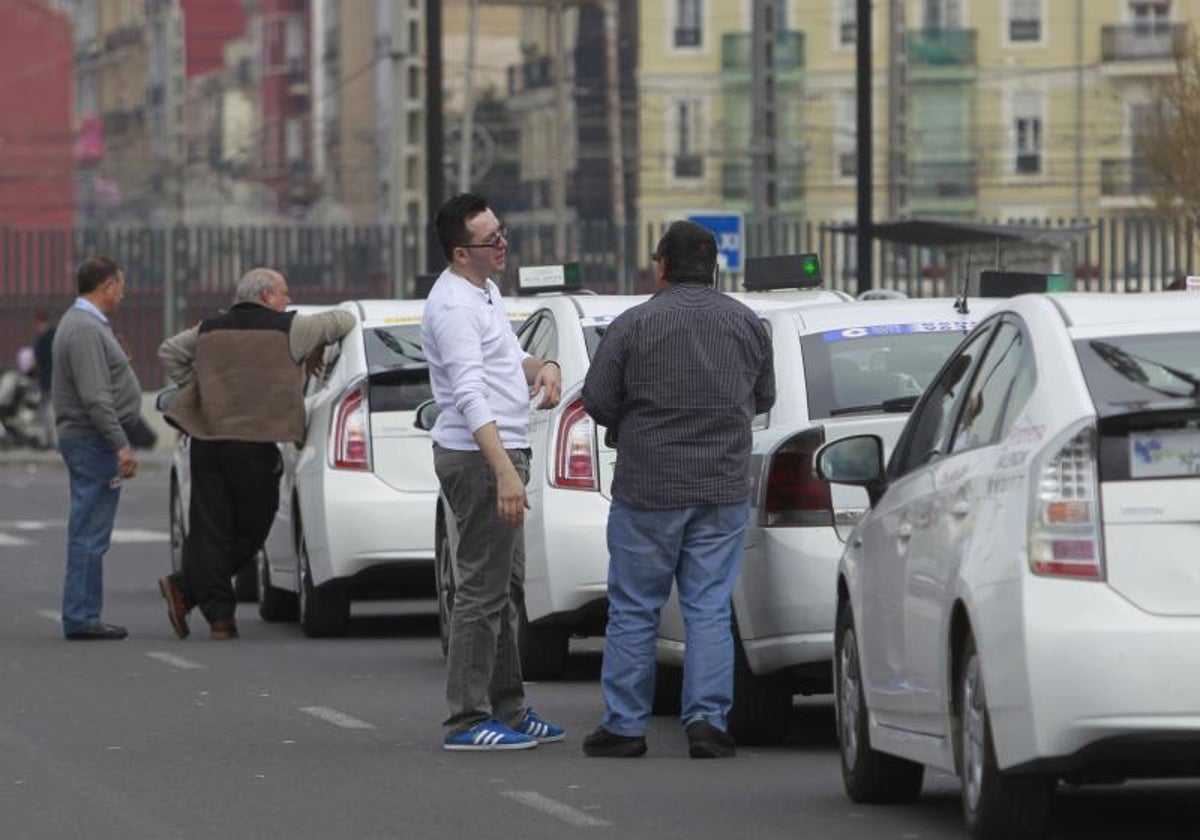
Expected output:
(575, 456)
(1064, 534)
(793, 495)
(350, 444)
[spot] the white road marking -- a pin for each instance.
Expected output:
(173, 660)
(31, 524)
(9, 541)
(139, 535)
(556, 809)
(53, 615)
(336, 718)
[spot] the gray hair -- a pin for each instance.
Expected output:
(253, 283)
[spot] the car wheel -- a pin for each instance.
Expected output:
(867, 774)
(762, 706)
(245, 582)
(445, 584)
(543, 650)
(668, 688)
(178, 530)
(274, 604)
(996, 805)
(325, 609)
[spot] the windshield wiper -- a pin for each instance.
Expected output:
(1126, 364)
(895, 405)
(394, 343)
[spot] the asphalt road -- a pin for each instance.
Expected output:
(277, 735)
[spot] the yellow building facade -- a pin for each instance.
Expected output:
(1002, 109)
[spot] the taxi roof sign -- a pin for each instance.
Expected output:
(535, 279)
(1012, 283)
(792, 271)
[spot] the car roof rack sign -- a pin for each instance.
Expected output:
(1004, 284)
(792, 271)
(539, 279)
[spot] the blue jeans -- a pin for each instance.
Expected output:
(700, 548)
(92, 465)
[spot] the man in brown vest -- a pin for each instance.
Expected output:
(242, 384)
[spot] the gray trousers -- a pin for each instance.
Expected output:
(483, 667)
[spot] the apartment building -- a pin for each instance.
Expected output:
(982, 108)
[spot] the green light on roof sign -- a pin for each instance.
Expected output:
(811, 267)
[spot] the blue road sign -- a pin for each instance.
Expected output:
(727, 227)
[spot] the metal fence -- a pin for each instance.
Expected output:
(176, 276)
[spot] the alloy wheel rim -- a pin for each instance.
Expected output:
(444, 595)
(302, 588)
(177, 534)
(972, 734)
(848, 707)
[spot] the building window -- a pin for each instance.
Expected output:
(1150, 17)
(1024, 20)
(294, 46)
(688, 31)
(688, 162)
(943, 14)
(847, 21)
(845, 140)
(293, 140)
(1027, 125)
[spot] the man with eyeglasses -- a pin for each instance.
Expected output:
(483, 382)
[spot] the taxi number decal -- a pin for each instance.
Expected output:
(876, 330)
(597, 320)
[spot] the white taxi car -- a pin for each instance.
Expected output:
(840, 369)
(1021, 604)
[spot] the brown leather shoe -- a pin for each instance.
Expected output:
(177, 606)
(224, 628)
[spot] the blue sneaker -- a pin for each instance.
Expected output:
(534, 727)
(489, 735)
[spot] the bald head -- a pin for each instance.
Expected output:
(264, 286)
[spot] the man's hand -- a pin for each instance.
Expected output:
(510, 497)
(550, 379)
(315, 361)
(127, 464)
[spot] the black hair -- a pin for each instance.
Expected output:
(93, 271)
(451, 220)
(689, 253)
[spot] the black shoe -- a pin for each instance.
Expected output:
(706, 741)
(98, 632)
(604, 744)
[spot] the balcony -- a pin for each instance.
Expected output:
(735, 180)
(1140, 49)
(939, 182)
(737, 52)
(1029, 163)
(941, 47)
(687, 36)
(1124, 177)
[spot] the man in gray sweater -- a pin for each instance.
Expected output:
(96, 395)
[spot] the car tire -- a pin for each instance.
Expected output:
(869, 776)
(444, 573)
(762, 706)
(178, 531)
(245, 582)
(543, 650)
(668, 690)
(996, 805)
(325, 609)
(274, 604)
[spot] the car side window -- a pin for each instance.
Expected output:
(527, 332)
(542, 340)
(1004, 376)
(926, 437)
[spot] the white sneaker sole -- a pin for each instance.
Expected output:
(489, 747)
(552, 739)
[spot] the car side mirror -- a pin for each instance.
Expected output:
(856, 461)
(165, 397)
(427, 414)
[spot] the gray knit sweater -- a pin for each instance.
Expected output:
(95, 389)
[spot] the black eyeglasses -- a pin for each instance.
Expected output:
(494, 242)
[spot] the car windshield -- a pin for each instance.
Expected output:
(393, 346)
(1127, 371)
(881, 368)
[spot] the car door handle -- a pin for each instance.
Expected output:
(960, 509)
(906, 530)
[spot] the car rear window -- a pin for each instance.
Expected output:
(858, 368)
(1128, 373)
(593, 330)
(393, 346)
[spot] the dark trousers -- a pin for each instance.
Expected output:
(235, 492)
